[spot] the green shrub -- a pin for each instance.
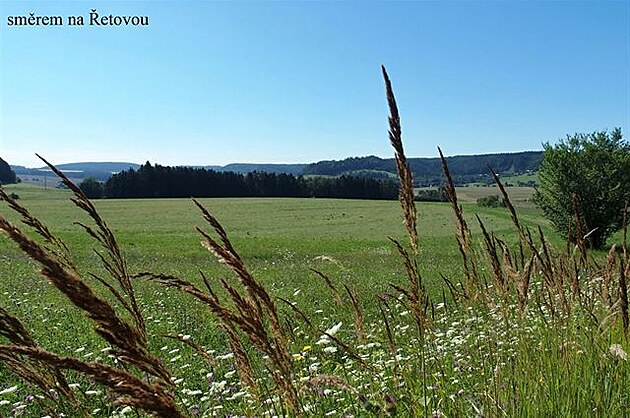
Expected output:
(432, 195)
(493, 201)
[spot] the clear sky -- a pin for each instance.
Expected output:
(219, 82)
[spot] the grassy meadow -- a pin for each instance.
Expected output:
(561, 354)
(276, 236)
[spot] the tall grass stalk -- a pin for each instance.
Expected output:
(417, 295)
(129, 341)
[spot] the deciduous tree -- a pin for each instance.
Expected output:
(589, 173)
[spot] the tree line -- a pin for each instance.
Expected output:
(154, 181)
(461, 165)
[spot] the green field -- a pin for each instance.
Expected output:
(520, 196)
(277, 237)
(524, 178)
(280, 241)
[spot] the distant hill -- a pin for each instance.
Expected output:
(428, 171)
(295, 169)
(110, 167)
(100, 171)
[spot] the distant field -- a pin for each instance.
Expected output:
(45, 181)
(518, 195)
(278, 238)
(524, 178)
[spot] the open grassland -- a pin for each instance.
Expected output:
(563, 356)
(278, 237)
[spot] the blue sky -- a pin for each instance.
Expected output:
(219, 82)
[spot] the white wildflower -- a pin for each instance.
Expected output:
(323, 340)
(218, 386)
(193, 392)
(236, 395)
(334, 329)
(616, 350)
(8, 390)
(226, 356)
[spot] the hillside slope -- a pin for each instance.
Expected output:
(464, 168)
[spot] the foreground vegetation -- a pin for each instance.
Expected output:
(517, 327)
(477, 357)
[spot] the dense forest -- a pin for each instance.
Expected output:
(428, 171)
(163, 181)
